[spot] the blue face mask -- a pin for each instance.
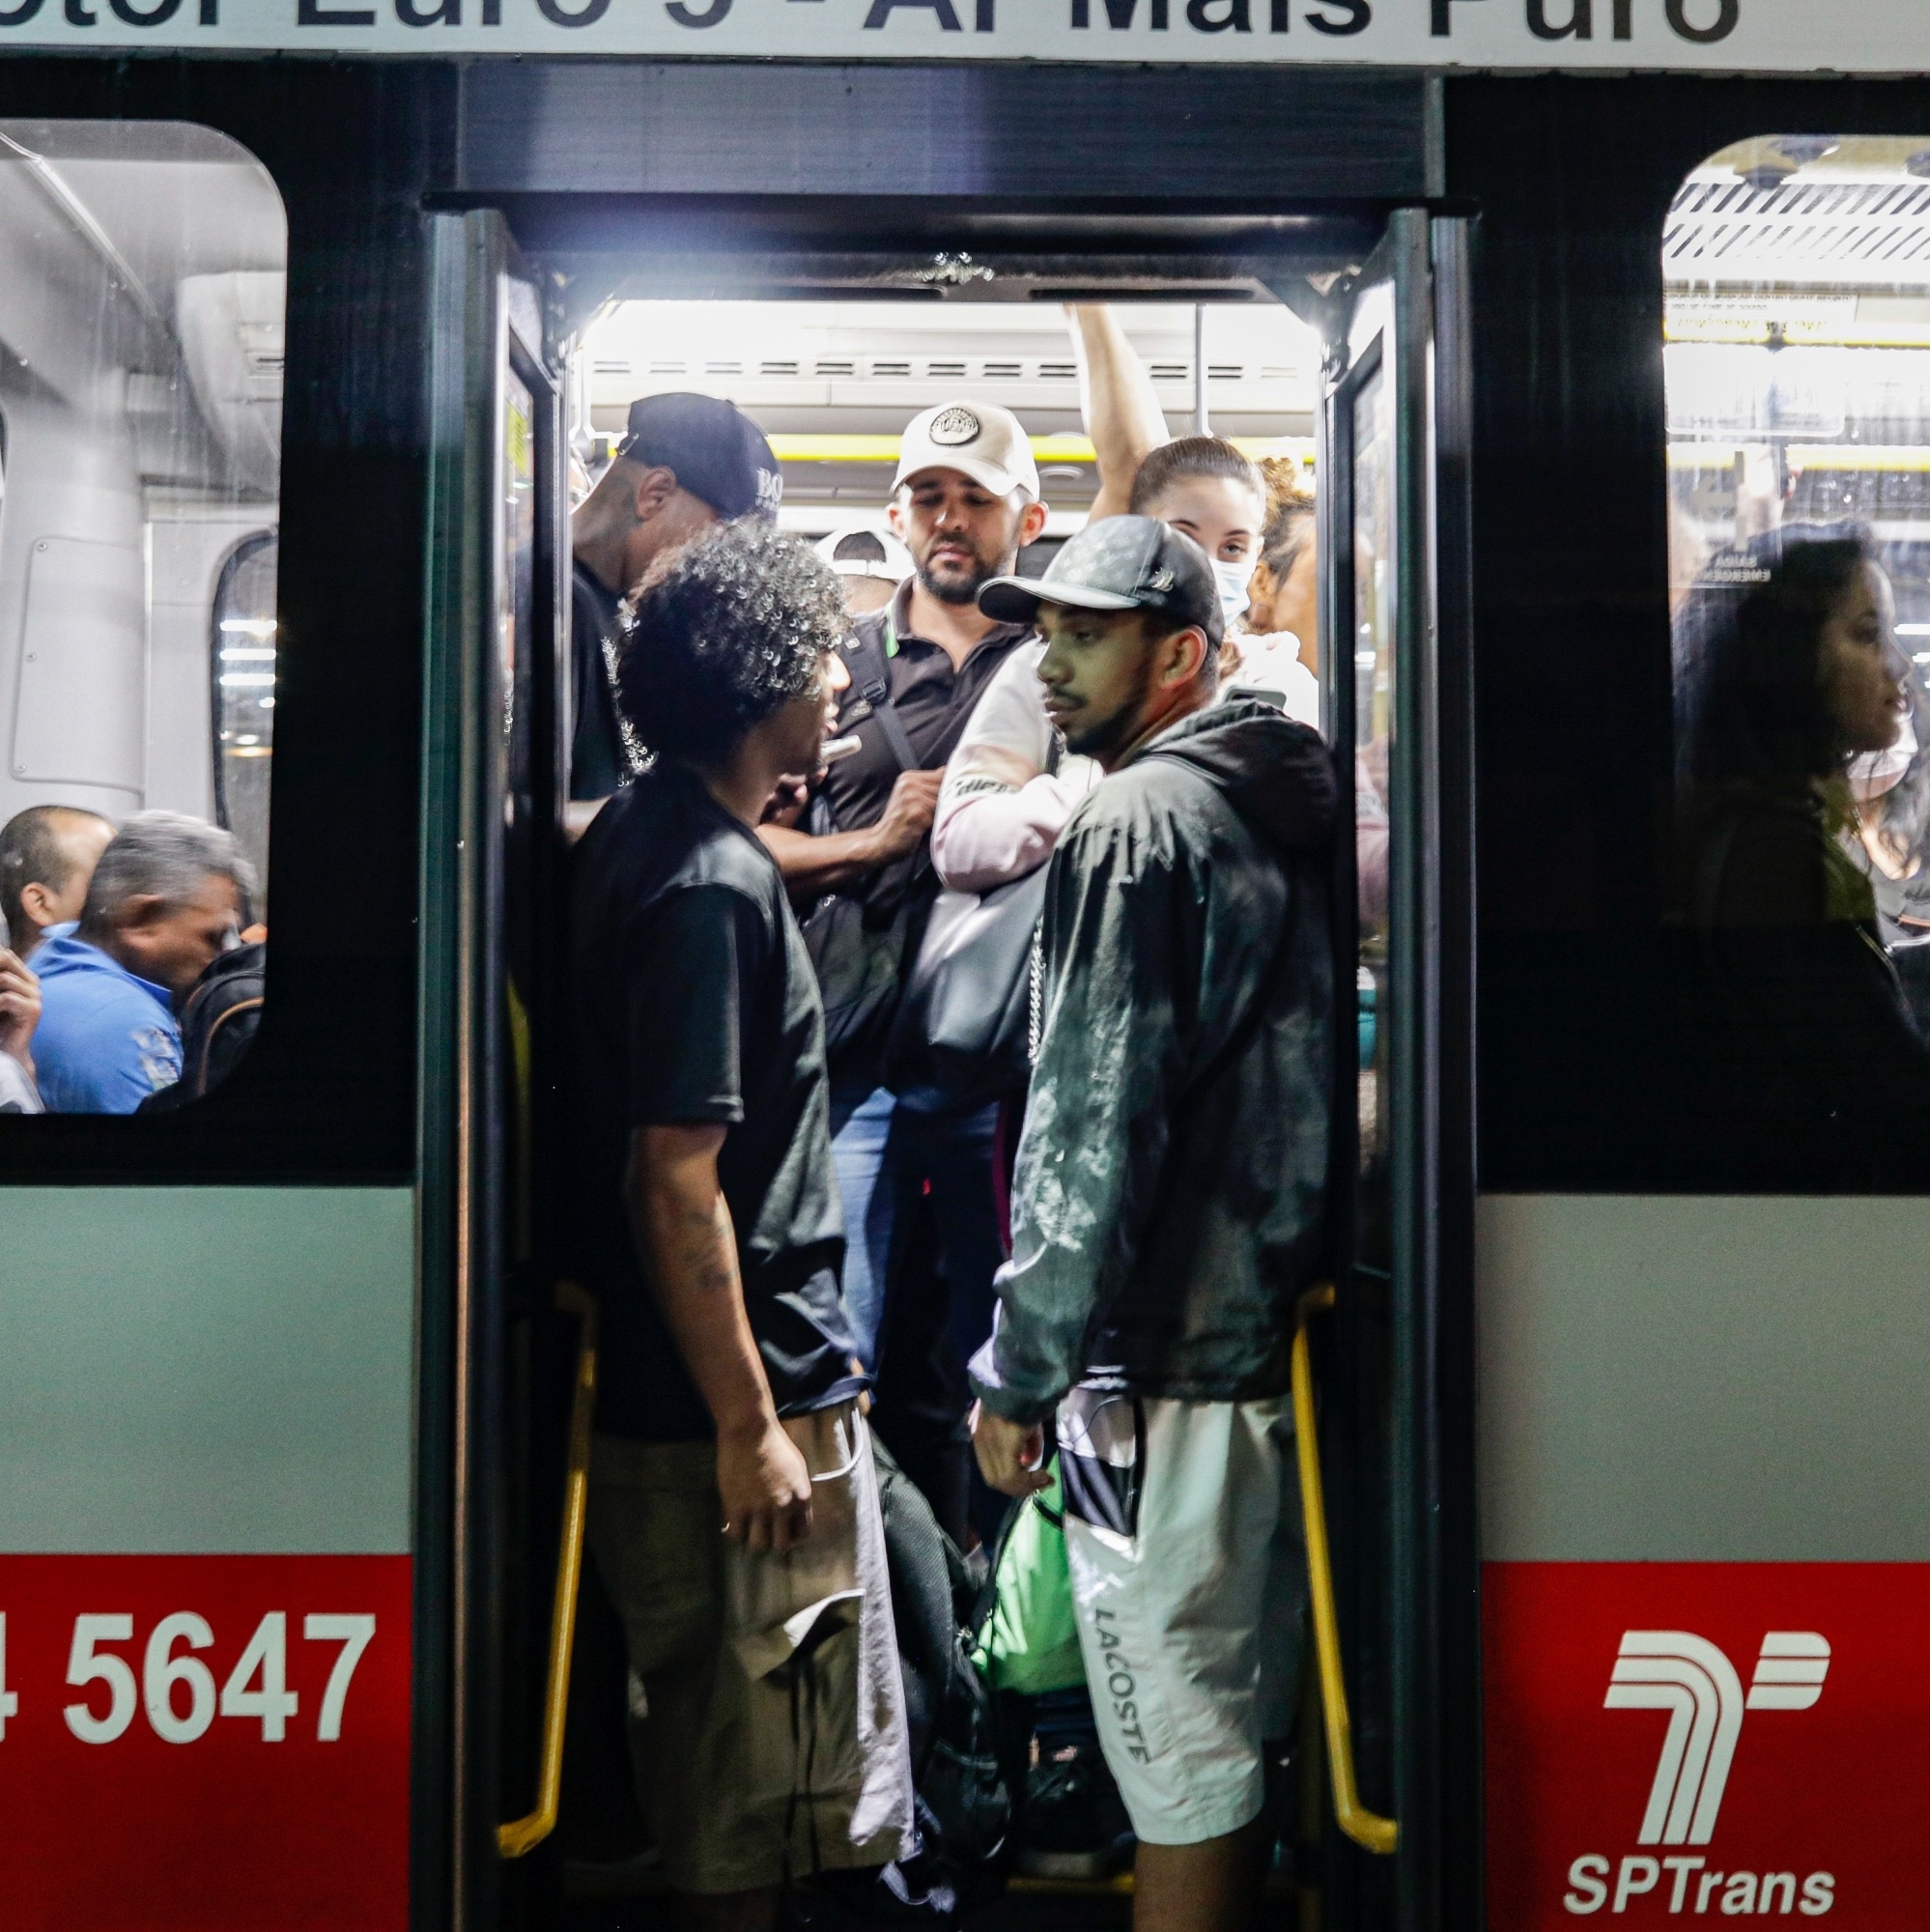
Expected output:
(1233, 579)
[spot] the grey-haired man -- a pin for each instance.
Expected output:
(170, 893)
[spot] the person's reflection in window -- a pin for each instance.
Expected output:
(1791, 693)
(1788, 670)
(1890, 793)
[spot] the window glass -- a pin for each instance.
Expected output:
(244, 657)
(142, 293)
(516, 665)
(1373, 733)
(1797, 364)
(515, 620)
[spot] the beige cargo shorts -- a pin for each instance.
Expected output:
(767, 1702)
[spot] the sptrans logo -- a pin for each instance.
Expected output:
(1695, 1683)
(1654, 1761)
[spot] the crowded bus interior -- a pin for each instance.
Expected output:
(930, 429)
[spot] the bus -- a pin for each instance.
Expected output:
(312, 328)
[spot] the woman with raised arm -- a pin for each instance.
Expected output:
(1005, 799)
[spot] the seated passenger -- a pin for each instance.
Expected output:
(19, 1015)
(220, 1019)
(169, 894)
(48, 855)
(733, 1506)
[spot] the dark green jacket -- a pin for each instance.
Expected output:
(1170, 1196)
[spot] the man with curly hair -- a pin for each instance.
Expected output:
(733, 1501)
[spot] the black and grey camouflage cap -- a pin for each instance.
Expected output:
(1121, 563)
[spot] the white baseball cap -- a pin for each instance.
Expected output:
(979, 440)
(859, 550)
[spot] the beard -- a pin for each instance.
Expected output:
(1102, 736)
(959, 583)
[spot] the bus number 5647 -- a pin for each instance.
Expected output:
(177, 1689)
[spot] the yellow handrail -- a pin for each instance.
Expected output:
(524, 1835)
(1365, 1828)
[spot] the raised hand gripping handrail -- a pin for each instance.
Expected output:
(1365, 1828)
(524, 1835)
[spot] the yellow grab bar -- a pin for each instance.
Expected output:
(525, 1835)
(1365, 1828)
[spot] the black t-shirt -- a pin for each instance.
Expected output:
(598, 762)
(934, 703)
(695, 1003)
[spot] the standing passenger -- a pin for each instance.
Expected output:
(733, 1502)
(688, 462)
(869, 563)
(48, 855)
(1006, 798)
(169, 894)
(1170, 1198)
(965, 502)
(1280, 650)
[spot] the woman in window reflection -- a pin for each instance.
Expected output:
(1788, 669)
(1890, 791)
(1792, 693)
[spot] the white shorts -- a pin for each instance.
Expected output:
(1183, 1530)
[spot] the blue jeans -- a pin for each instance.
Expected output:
(922, 1246)
(861, 1127)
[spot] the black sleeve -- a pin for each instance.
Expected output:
(598, 766)
(689, 962)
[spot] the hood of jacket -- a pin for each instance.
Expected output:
(1275, 772)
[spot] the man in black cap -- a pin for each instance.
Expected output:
(687, 463)
(1168, 1205)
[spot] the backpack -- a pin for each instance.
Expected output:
(218, 1025)
(859, 952)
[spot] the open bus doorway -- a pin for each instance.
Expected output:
(838, 470)
(833, 385)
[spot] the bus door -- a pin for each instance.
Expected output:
(497, 1353)
(1398, 1655)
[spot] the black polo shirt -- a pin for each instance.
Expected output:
(933, 701)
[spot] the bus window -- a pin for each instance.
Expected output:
(1797, 366)
(142, 290)
(243, 689)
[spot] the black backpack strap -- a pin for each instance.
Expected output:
(873, 676)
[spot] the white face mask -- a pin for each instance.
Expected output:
(1233, 579)
(1874, 773)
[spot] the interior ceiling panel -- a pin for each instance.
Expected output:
(1796, 209)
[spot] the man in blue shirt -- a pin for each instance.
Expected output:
(170, 893)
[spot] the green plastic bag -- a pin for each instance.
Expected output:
(1031, 1644)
